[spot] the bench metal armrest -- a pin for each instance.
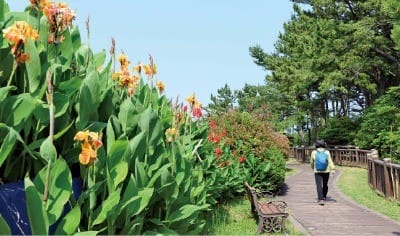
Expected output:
(265, 194)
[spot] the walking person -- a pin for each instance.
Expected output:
(322, 164)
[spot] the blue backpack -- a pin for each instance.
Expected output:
(321, 160)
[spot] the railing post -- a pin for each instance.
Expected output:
(357, 158)
(337, 156)
(388, 186)
(374, 156)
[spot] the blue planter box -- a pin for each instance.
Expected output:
(13, 206)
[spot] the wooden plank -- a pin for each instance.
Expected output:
(339, 215)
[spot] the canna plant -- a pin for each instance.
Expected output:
(67, 118)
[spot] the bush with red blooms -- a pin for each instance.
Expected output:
(247, 149)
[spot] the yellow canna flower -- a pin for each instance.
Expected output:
(138, 68)
(123, 60)
(191, 99)
(82, 135)
(20, 30)
(197, 104)
(171, 134)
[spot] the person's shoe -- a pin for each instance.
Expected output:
(321, 202)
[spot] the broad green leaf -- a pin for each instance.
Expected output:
(41, 113)
(134, 200)
(150, 123)
(128, 116)
(61, 103)
(6, 64)
(5, 90)
(99, 58)
(110, 135)
(197, 191)
(106, 208)
(145, 196)
(60, 188)
(157, 175)
(44, 32)
(138, 146)
(48, 151)
(83, 54)
(62, 132)
(33, 68)
(7, 146)
(75, 38)
(87, 233)
(185, 212)
(70, 222)
(140, 174)
(116, 162)
(4, 228)
(89, 99)
(156, 165)
(134, 227)
(36, 212)
(3, 9)
(71, 86)
(12, 16)
(65, 47)
(19, 109)
(18, 137)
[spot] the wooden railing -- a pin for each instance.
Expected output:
(383, 176)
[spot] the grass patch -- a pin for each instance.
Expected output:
(354, 183)
(235, 218)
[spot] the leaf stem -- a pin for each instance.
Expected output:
(49, 96)
(12, 73)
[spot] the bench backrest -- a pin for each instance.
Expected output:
(251, 195)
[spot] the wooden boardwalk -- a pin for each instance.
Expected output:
(339, 215)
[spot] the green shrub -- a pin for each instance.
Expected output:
(380, 125)
(339, 131)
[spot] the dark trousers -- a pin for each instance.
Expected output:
(321, 181)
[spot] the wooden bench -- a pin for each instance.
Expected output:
(271, 213)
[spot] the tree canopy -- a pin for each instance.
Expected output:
(332, 62)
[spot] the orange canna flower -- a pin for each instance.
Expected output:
(91, 143)
(22, 57)
(138, 68)
(87, 155)
(17, 34)
(151, 69)
(59, 16)
(161, 87)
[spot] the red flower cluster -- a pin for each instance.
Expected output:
(242, 159)
(218, 151)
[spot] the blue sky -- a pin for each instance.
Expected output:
(198, 46)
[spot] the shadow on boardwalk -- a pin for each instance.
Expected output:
(339, 215)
